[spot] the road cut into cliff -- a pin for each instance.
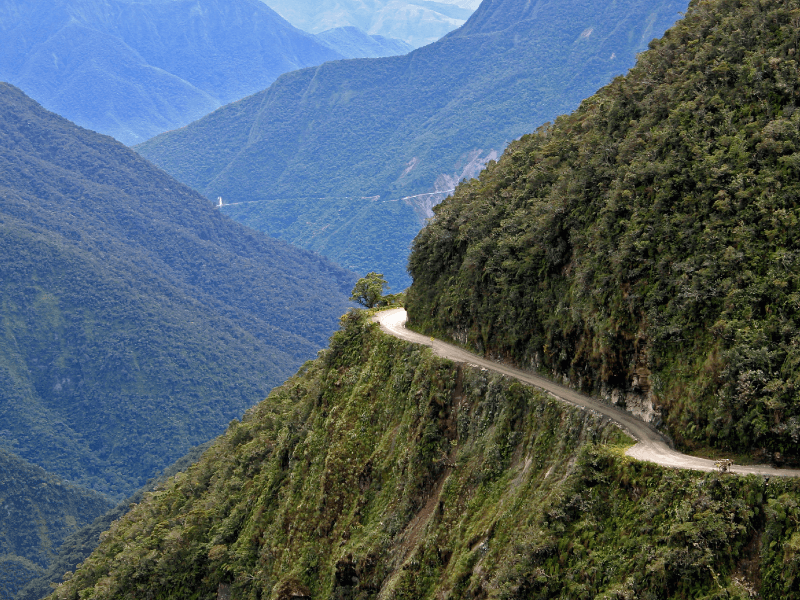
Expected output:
(650, 444)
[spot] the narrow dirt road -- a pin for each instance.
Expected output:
(651, 445)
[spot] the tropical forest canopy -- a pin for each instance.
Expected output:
(648, 242)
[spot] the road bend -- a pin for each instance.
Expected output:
(650, 444)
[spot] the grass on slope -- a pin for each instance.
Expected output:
(382, 470)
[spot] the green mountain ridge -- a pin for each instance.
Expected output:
(335, 158)
(80, 544)
(645, 246)
(137, 321)
(381, 471)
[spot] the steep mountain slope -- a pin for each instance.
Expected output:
(417, 22)
(136, 319)
(39, 510)
(380, 471)
(79, 545)
(324, 156)
(135, 69)
(645, 246)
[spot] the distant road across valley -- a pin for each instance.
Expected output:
(651, 445)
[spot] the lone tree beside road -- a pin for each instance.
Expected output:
(368, 290)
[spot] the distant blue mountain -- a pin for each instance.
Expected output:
(416, 22)
(351, 41)
(135, 69)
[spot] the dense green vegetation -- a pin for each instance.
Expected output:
(381, 469)
(648, 242)
(38, 511)
(64, 558)
(368, 290)
(136, 320)
(326, 155)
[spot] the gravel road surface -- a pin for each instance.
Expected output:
(651, 445)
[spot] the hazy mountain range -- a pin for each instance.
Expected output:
(344, 158)
(134, 69)
(417, 22)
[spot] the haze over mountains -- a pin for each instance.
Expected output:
(417, 22)
(137, 320)
(134, 69)
(342, 158)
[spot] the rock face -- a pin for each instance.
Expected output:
(134, 69)
(299, 159)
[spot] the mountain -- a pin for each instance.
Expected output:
(343, 158)
(416, 22)
(134, 69)
(381, 471)
(78, 546)
(351, 41)
(646, 247)
(137, 320)
(39, 510)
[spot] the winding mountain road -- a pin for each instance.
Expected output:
(651, 445)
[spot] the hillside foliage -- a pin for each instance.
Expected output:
(65, 555)
(38, 511)
(648, 242)
(325, 157)
(380, 470)
(136, 320)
